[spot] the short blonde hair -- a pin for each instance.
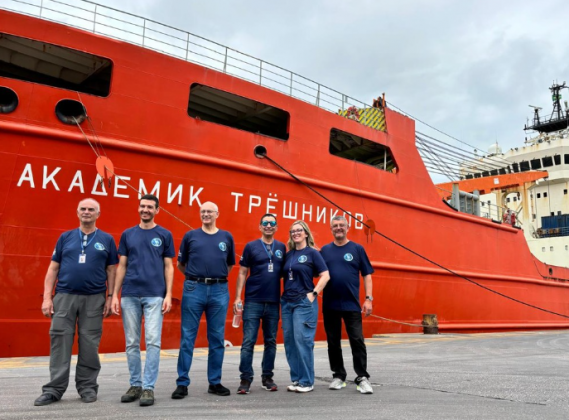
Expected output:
(309, 238)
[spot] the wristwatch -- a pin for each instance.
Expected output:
(370, 298)
(314, 293)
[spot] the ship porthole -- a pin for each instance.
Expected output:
(260, 151)
(69, 111)
(8, 100)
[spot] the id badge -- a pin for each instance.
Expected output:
(270, 267)
(290, 277)
(82, 258)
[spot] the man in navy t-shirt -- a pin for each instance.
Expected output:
(84, 265)
(346, 260)
(146, 274)
(206, 257)
(263, 260)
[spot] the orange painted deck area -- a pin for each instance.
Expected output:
(488, 184)
(46, 167)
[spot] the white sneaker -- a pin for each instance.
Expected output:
(292, 387)
(301, 388)
(364, 386)
(337, 383)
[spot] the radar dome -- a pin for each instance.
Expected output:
(494, 149)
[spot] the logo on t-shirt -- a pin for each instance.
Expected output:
(279, 253)
(99, 246)
(348, 257)
(156, 242)
(302, 259)
(222, 246)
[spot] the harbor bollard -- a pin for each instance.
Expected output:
(430, 324)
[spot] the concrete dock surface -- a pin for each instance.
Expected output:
(518, 375)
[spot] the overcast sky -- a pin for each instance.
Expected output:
(469, 68)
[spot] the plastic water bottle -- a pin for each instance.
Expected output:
(238, 315)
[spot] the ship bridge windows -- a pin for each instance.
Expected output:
(535, 163)
(547, 161)
(352, 147)
(566, 159)
(557, 159)
(52, 65)
(220, 107)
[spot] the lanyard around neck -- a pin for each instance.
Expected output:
(81, 240)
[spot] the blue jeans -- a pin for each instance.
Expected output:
(299, 328)
(253, 313)
(198, 298)
(133, 308)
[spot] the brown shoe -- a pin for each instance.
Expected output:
(133, 394)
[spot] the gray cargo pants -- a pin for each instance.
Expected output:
(85, 312)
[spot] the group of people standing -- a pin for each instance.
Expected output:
(88, 282)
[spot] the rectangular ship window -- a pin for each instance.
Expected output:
(352, 147)
(547, 161)
(220, 107)
(52, 65)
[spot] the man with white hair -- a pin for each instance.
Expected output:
(84, 266)
(206, 257)
(346, 260)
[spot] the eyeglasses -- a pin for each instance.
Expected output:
(207, 211)
(272, 223)
(90, 209)
(85, 237)
(292, 232)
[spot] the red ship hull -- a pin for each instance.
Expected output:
(46, 167)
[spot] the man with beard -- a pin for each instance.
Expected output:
(206, 257)
(341, 301)
(262, 259)
(84, 265)
(146, 268)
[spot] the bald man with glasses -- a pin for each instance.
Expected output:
(206, 257)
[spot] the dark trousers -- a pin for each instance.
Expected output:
(333, 326)
(85, 313)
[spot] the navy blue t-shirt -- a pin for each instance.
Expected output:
(145, 250)
(345, 263)
(262, 285)
(90, 277)
(207, 255)
(305, 265)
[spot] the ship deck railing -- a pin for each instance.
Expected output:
(552, 232)
(127, 27)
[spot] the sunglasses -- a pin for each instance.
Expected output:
(85, 237)
(267, 223)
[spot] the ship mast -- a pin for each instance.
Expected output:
(558, 120)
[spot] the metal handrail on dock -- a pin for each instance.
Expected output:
(124, 26)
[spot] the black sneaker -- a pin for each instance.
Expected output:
(218, 389)
(133, 394)
(244, 387)
(89, 397)
(147, 397)
(45, 399)
(180, 392)
(269, 385)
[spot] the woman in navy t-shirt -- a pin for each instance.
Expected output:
(299, 305)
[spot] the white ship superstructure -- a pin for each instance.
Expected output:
(541, 207)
